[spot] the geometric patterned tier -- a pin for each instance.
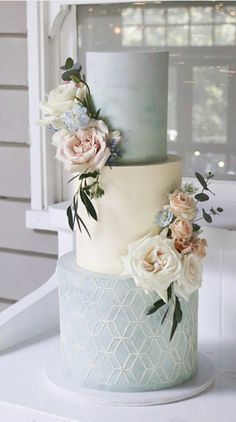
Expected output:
(109, 343)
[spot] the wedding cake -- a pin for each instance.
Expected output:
(129, 295)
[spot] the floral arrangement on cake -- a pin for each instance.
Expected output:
(84, 143)
(170, 262)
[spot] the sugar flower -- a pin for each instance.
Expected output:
(76, 119)
(163, 218)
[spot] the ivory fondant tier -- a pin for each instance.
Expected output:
(109, 343)
(133, 195)
(131, 89)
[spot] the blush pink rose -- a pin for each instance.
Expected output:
(87, 148)
(181, 229)
(199, 246)
(182, 205)
(193, 245)
(183, 246)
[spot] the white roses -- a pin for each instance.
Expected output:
(59, 100)
(154, 264)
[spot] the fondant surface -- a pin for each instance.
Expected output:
(133, 195)
(109, 343)
(131, 88)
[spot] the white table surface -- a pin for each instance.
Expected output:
(27, 396)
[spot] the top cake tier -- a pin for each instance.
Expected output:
(131, 89)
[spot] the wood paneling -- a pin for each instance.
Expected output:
(14, 171)
(15, 235)
(21, 273)
(14, 115)
(12, 17)
(13, 53)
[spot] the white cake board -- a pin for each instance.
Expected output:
(201, 382)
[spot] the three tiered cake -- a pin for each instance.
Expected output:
(128, 297)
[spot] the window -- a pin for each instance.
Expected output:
(201, 40)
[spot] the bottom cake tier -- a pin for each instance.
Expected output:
(109, 343)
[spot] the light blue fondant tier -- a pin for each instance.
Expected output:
(109, 343)
(131, 88)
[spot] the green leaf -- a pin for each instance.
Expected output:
(97, 114)
(201, 197)
(93, 174)
(84, 225)
(219, 209)
(206, 216)
(159, 303)
(196, 227)
(69, 214)
(73, 178)
(151, 310)
(177, 317)
(165, 315)
(201, 180)
(69, 63)
(88, 204)
(178, 310)
(169, 292)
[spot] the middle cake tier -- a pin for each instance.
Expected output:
(126, 212)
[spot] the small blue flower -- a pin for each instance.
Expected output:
(76, 119)
(163, 218)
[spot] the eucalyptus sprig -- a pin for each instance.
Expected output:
(202, 197)
(73, 73)
(177, 313)
(87, 190)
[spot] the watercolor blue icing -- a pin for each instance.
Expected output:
(131, 89)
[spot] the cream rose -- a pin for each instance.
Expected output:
(182, 205)
(191, 277)
(154, 264)
(59, 100)
(181, 229)
(86, 149)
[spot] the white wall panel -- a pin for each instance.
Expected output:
(13, 53)
(15, 235)
(14, 115)
(20, 273)
(12, 17)
(14, 171)
(210, 295)
(229, 293)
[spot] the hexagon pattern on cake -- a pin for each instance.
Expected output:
(108, 342)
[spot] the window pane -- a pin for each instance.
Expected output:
(201, 14)
(209, 105)
(155, 36)
(178, 35)
(225, 34)
(155, 16)
(131, 15)
(177, 15)
(206, 162)
(132, 35)
(201, 35)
